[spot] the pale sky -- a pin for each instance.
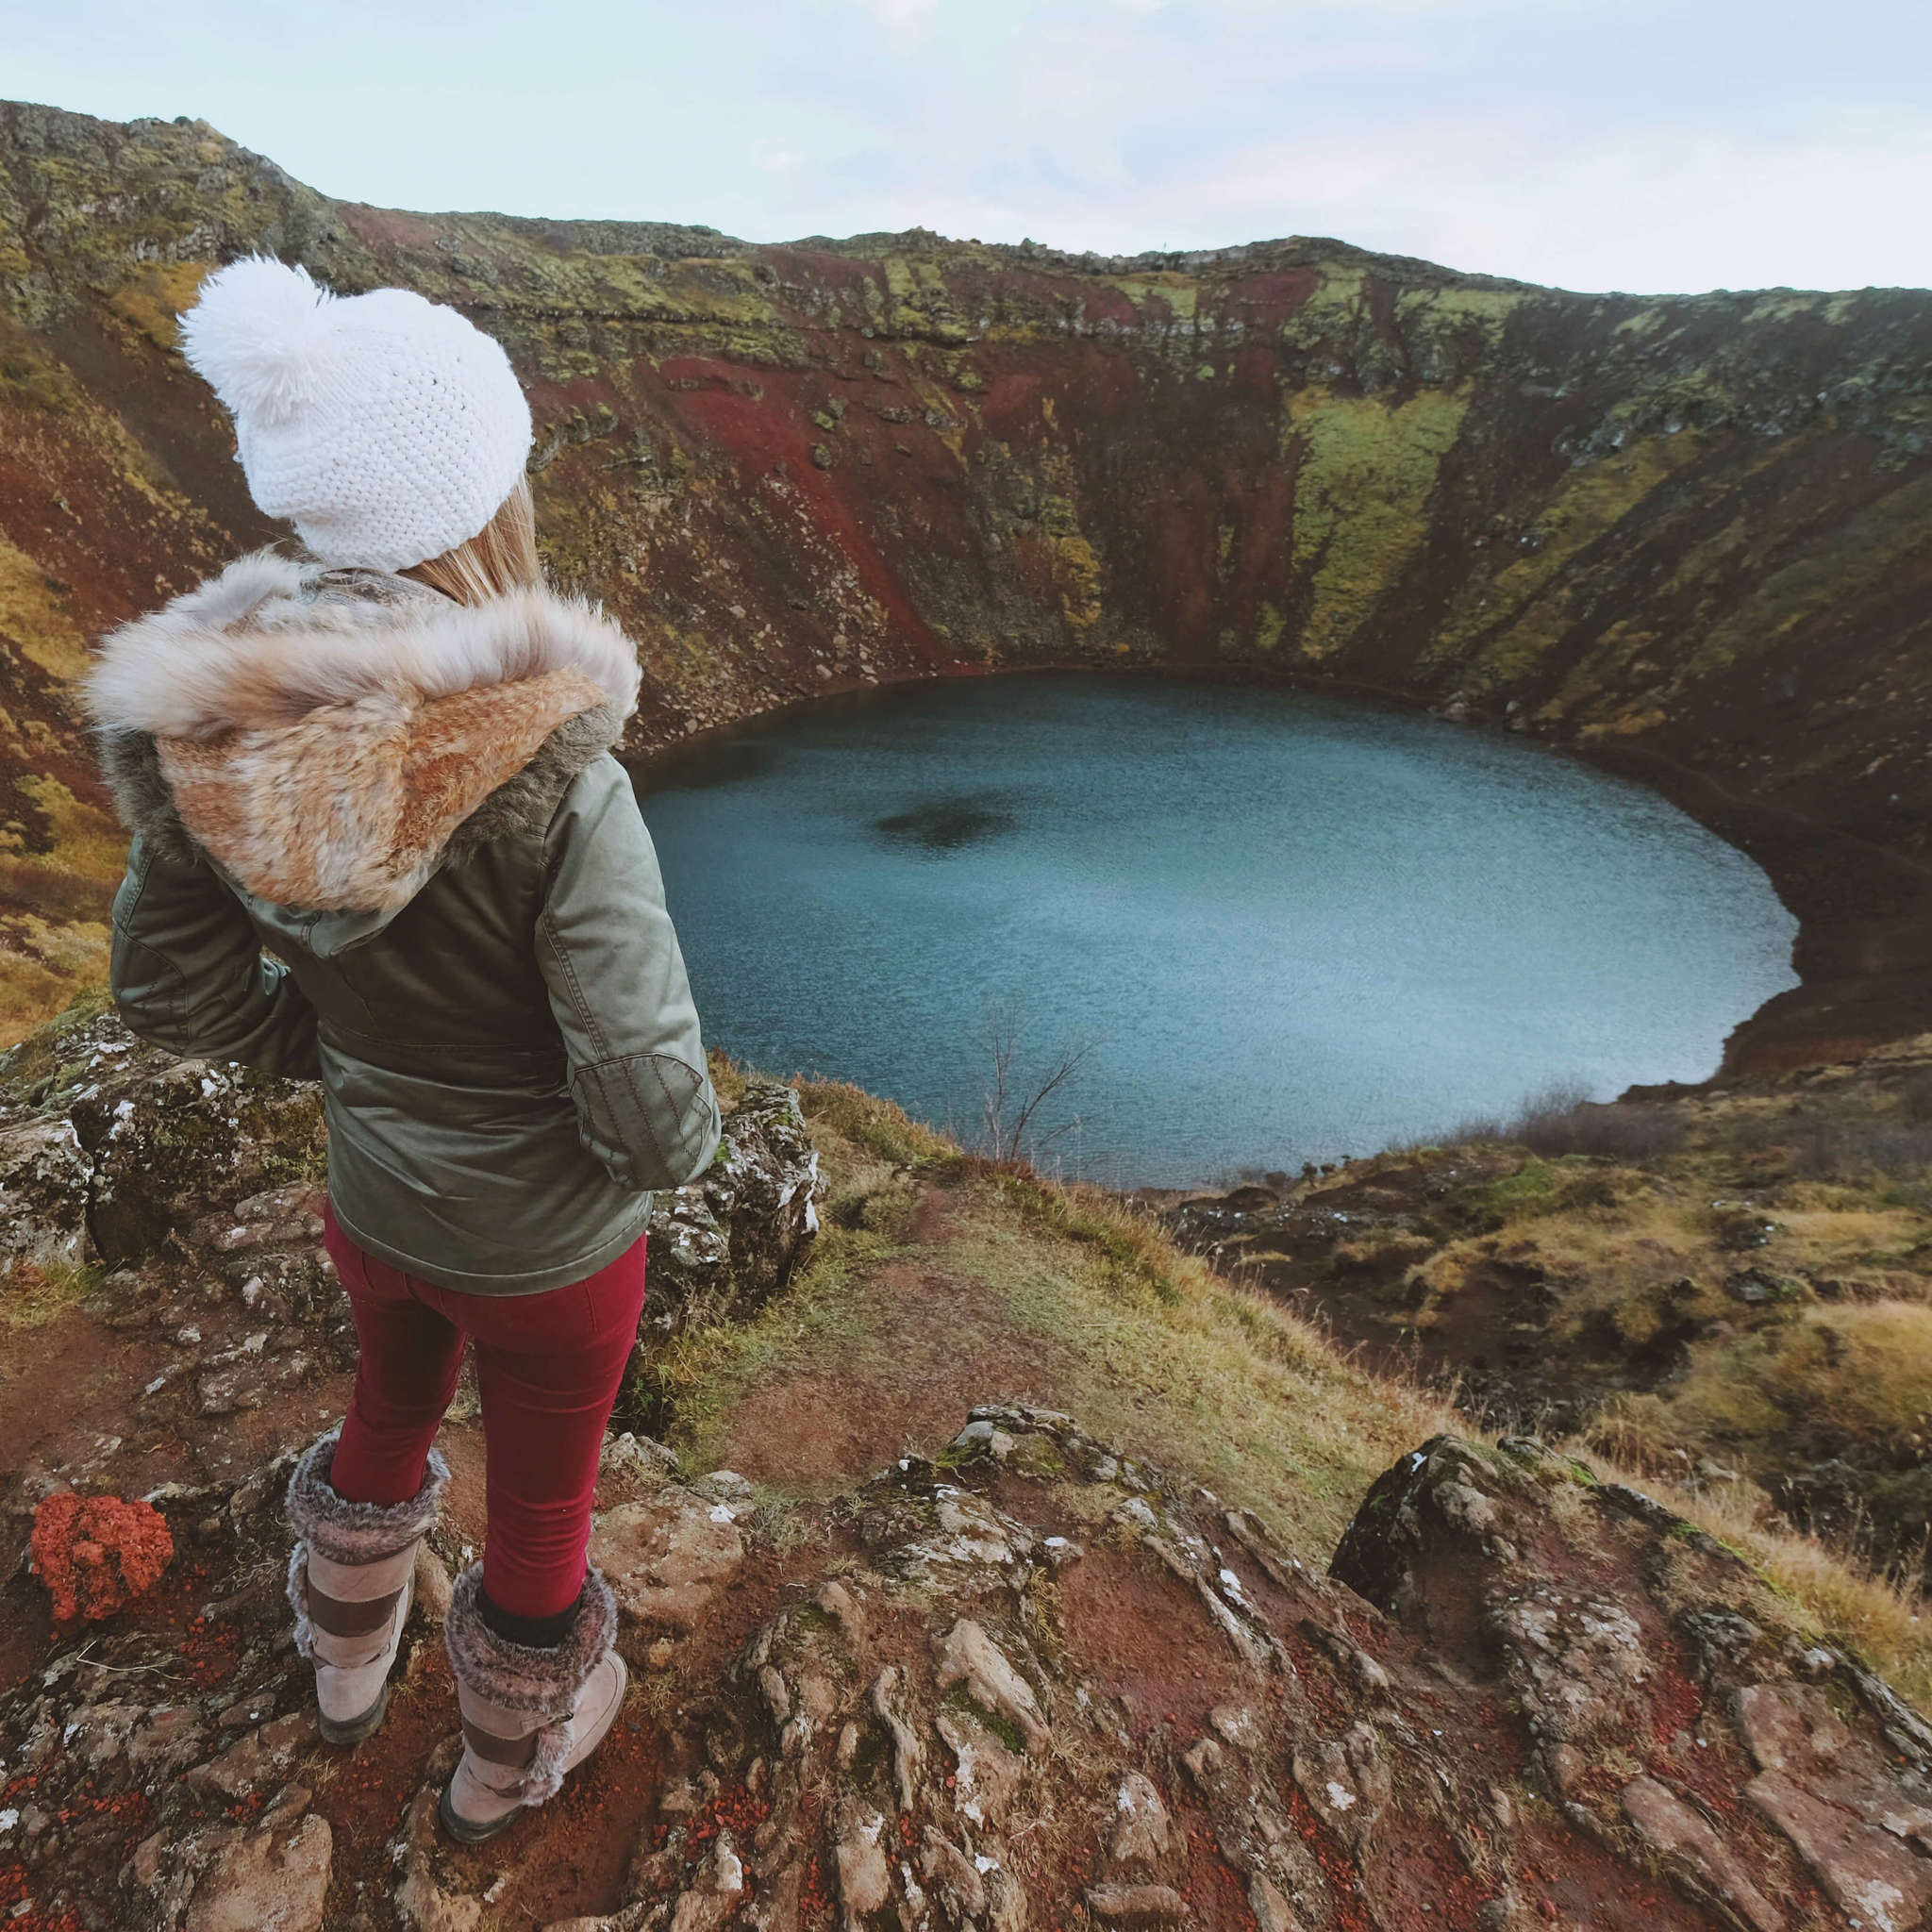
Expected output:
(1646, 145)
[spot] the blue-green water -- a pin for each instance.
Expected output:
(1290, 927)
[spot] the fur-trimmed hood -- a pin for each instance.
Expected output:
(332, 738)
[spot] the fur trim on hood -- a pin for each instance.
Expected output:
(333, 737)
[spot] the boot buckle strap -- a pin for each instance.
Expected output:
(339, 1619)
(513, 1753)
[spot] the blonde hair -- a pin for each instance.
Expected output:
(500, 557)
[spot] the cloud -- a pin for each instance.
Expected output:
(904, 19)
(1643, 211)
(777, 156)
(1641, 143)
(1125, 125)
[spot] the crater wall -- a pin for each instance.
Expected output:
(1689, 536)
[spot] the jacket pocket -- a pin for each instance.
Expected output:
(649, 1118)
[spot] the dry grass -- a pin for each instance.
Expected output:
(1887, 1624)
(1168, 1361)
(43, 965)
(38, 1295)
(1173, 1363)
(1773, 1245)
(1152, 1349)
(1856, 1378)
(726, 1078)
(880, 1129)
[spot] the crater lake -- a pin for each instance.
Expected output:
(1283, 927)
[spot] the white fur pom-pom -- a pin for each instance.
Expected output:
(253, 335)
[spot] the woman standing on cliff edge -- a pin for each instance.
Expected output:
(389, 764)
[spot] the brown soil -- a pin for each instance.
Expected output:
(1574, 1882)
(67, 1383)
(934, 1345)
(74, 1383)
(74, 1410)
(1139, 1634)
(364, 1791)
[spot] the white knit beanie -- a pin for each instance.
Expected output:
(388, 428)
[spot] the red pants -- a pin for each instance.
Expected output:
(547, 1366)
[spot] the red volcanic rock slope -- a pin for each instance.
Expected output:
(1687, 535)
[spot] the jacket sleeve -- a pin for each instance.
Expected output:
(644, 1100)
(189, 975)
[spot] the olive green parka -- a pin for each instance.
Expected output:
(412, 806)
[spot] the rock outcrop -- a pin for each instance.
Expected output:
(111, 1151)
(179, 1203)
(1036, 1678)
(1671, 1712)
(724, 1245)
(188, 1196)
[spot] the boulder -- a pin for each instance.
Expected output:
(113, 1151)
(259, 1761)
(116, 1145)
(1143, 1832)
(666, 1556)
(43, 1180)
(1674, 1705)
(722, 1245)
(1117, 1905)
(968, 1656)
(271, 1880)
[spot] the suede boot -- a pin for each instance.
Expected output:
(530, 1714)
(350, 1580)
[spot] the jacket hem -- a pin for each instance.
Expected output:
(532, 1281)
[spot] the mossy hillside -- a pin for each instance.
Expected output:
(1364, 470)
(1731, 1287)
(1522, 598)
(930, 1262)
(1888, 537)
(72, 467)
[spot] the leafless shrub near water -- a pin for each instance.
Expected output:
(1563, 1119)
(1011, 1125)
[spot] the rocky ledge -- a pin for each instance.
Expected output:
(181, 1199)
(1034, 1683)
(1028, 1683)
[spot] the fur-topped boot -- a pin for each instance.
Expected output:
(350, 1580)
(530, 1714)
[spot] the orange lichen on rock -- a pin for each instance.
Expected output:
(96, 1554)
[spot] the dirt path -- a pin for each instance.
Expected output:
(937, 1341)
